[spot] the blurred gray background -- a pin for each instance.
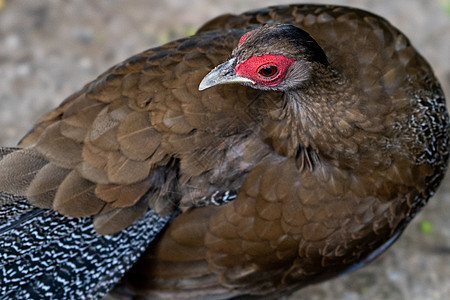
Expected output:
(51, 48)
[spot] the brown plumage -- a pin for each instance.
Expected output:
(332, 137)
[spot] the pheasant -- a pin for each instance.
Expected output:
(271, 150)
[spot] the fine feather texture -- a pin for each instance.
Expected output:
(278, 185)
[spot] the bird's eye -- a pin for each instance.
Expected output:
(268, 71)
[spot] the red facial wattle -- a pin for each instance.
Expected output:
(266, 70)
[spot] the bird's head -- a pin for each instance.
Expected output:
(272, 57)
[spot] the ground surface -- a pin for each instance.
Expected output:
(50, 48)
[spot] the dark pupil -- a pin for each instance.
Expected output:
(268, 71)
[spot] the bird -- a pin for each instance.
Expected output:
(271, 150)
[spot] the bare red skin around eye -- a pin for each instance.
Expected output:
(250, 68)
(243, 38)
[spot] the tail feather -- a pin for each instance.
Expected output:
(11, 207)
(44, 255)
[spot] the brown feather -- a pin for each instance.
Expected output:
(75, 197)
(18, 170)
(60, 150)
(79, 117)
(114, 220)
(123, 170)
(42, 189)
(136, 137)
(120, 195)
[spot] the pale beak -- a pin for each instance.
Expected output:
(223, 74)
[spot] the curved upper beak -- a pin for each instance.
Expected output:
(223, 74)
